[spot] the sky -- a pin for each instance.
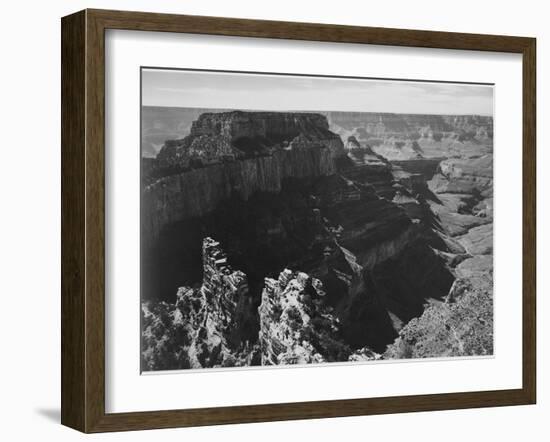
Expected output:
(244, 91)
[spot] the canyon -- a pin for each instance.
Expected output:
(274, 238)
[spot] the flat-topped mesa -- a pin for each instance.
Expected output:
(235, 154)
(226, 136)
(250, 131)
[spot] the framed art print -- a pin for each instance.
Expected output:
(268, 221)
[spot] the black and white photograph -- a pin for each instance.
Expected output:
(302, 219)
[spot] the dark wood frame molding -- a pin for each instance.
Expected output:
(83, 217)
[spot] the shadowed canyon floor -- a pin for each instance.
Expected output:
(285, 238)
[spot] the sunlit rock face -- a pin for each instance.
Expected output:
(462, 203)
(397, 149)
(409, 136)
(462, 325)
(296, 326)
(465, 176)
(203, 327)
(463, 190)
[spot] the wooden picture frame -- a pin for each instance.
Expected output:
(83, 220)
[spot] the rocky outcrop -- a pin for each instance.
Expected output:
(363, 355)
(462, 325)
(465, 176)
(478, 240)
(398, 149)
(160, 123)
(295, 325)
(463, 190)
(203, 327)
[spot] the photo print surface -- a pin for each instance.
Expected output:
(293, 219)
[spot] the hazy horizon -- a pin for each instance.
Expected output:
(216, 109)
(287, 93)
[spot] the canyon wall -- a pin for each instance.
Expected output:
(192, 176)
(432, 132)
(410, 136)
(411, 125)
(339, 247)
(199, 191)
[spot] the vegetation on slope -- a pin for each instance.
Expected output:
(460, 326)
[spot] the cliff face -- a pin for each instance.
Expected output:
(410, 136)
(461, 202)
(449, 329)
(199, 191)
(225, 136)
(363, 251)
(202, 329)
(295, 326)
(244, 131)
(204, 326)
(463, 189)
(236, 153)
(465, 176)
(159, 124)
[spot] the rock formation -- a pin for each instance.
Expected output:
(218, 137)
(234, 153)
(462, 325)
(203, 327)
(412, 136)
(296, 327)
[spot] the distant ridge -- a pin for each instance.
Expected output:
(159, 123)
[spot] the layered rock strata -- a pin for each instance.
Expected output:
(411, 136)
(462, 325)
(236, 153)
